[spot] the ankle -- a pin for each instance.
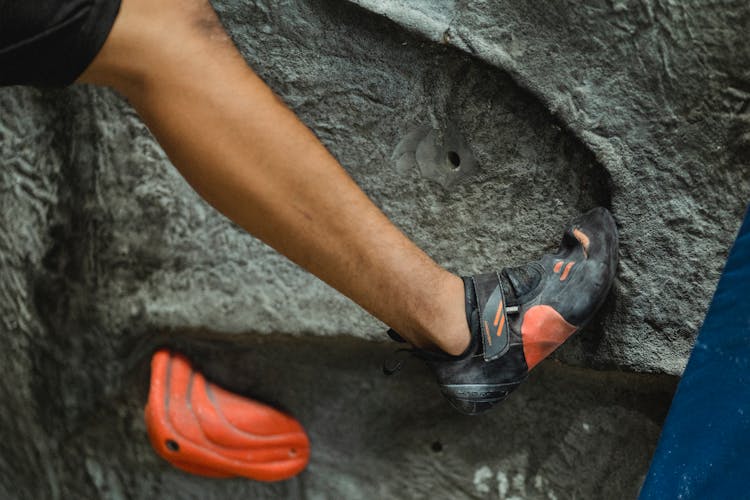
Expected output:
(451, 332)
(436, 321)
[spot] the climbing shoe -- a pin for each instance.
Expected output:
(203, 429)
(520, 315)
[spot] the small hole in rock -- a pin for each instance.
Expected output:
(454, 159)
(172, 445)
(437, 446)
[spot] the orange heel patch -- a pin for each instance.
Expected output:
(203, 429)
(542, 331)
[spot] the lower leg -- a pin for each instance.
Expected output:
(247, 154)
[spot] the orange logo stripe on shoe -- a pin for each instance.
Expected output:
(566, 271)
(499, 318)
(542, 331)
(498, 313)
(583, 239)
(203, 429)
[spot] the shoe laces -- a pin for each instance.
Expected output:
(396, 361)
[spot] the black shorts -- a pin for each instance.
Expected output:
(51, 42)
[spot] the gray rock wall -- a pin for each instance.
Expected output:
(555, 107)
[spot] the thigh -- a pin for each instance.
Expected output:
(51, 42)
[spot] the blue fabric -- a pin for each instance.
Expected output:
(704, 449)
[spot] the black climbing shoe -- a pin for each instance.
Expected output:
(519, 315)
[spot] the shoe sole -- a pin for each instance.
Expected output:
(473, 399)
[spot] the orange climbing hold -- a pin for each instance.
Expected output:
(203, 429)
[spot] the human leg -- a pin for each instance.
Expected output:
(246, 153)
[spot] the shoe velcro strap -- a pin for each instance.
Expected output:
(493, 319)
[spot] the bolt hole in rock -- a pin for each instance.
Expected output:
(454, 159)
(437, 446)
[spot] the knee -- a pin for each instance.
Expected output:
(151, 39)
(170, 28)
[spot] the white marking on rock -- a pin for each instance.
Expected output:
(481, 477)
(502, 483)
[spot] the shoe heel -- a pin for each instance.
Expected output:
(474, 399)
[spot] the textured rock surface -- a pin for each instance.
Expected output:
(106, 252)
